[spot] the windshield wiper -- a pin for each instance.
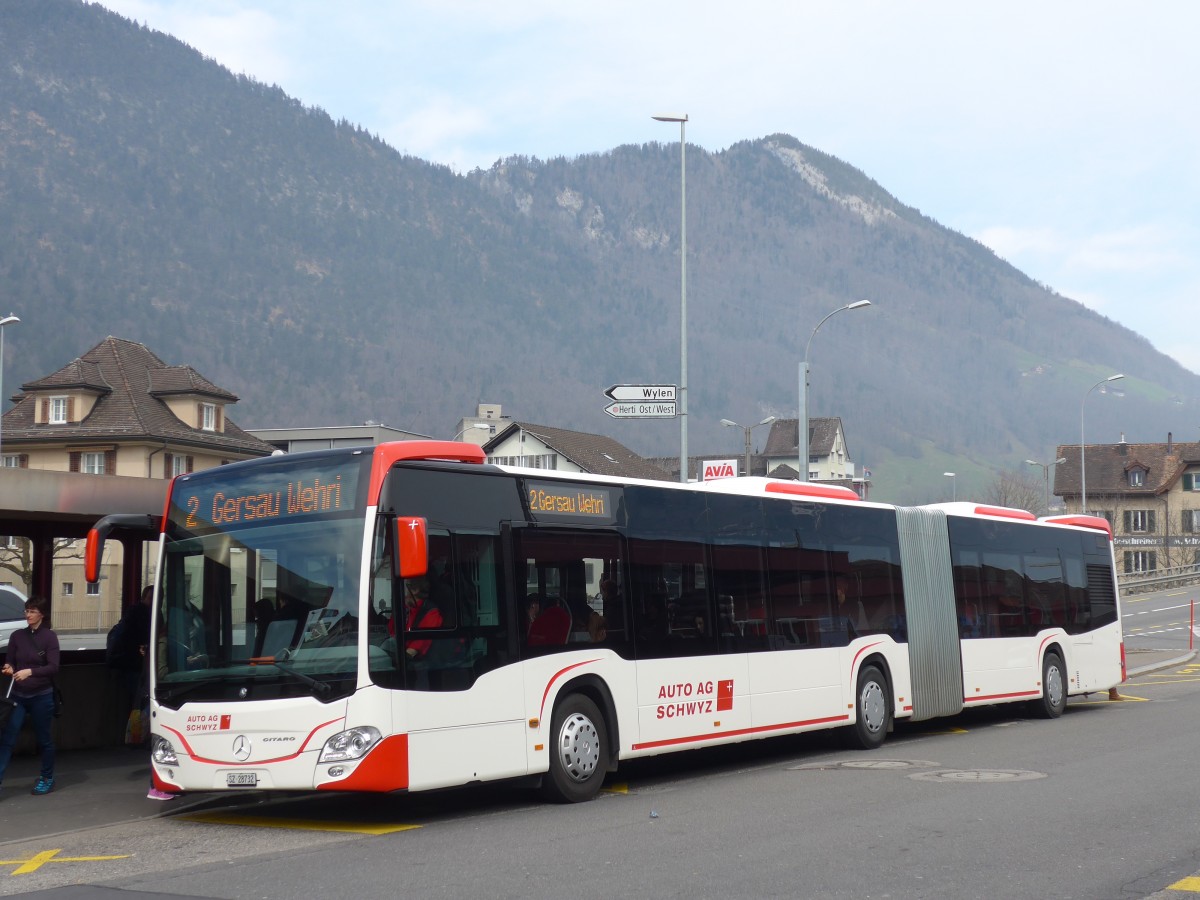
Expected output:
(321, 687)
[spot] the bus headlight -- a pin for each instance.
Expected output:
(353, 743)
(162, 752)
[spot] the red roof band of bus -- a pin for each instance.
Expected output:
(1005, 512)
(387, 455)
(1097, 523)
(829, 491)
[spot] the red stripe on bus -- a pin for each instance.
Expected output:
(553, 678)
(258, 762)
(987, 698)
(384, 769)
(862, 651)
(737, 732)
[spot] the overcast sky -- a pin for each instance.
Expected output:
(1061, 134)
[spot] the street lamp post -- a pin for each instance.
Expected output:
(1046, 467)
(729, 423)
(470, 428)
(802, 420)
(1082, 444)
(953, 485)
(10, 319)
(683, 448)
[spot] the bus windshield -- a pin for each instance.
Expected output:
(259, 592)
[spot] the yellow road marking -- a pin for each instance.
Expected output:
(620, 788)
(35, 862)
(1106, 701)
(296, 824)
(1191, 883)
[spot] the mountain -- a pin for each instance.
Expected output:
(325, 278)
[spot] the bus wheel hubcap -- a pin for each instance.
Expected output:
(1054, 686)
(873, 706)
(579, 747)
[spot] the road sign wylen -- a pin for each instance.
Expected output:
(641, 401)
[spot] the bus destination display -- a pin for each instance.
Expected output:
(576, 501)
(265, 496)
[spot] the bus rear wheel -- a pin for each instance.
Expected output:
(578, 751)
(1054, 688)
(873, 712)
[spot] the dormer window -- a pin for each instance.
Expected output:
(1137, 477)
(58, 411)
(208, 417)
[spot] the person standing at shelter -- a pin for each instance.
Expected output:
(127, 653)
(31, 661)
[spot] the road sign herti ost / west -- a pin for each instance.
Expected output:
(644, 401)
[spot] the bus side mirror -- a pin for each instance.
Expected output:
(411, 558)
(93, 554)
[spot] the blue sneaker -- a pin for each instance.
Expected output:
(43, 786)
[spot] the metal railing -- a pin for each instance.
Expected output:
(1173, 576)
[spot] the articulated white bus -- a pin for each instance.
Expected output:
(409, 617)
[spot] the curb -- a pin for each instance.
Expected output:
(1186, 657)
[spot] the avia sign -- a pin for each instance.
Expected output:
(713, 469)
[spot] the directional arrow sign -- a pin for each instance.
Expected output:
(641, 393)
(642, 410)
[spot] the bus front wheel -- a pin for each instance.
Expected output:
(1054, 688)
(872, 709)
(578, 751)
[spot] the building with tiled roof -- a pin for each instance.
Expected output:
(828, 453)
(543, 447)
(1149, 493)
(120, 410)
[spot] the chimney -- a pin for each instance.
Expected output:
(1168, 443)
(1122, 447)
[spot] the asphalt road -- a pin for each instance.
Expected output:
(1162, 619)
(991, 804)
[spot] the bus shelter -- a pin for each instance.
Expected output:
(48, 508)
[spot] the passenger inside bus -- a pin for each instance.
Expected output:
(419, 614)
(533, 609)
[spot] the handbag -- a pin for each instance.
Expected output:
(135, 727)
(7, 705)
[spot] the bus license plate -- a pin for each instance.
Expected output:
(241, 779)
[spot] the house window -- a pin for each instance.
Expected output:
(68, 589)
(1137, 521)
(208, 417)
(93, 589)
(1190, 521)
(1191, 481)
(1139, 561)
(58, 411)
(11, 460)
(92, 463)
(1137, 477)
(179, 465)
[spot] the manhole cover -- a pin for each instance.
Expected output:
(978, 776)
(886, 764)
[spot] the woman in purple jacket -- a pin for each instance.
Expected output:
(32, 662)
